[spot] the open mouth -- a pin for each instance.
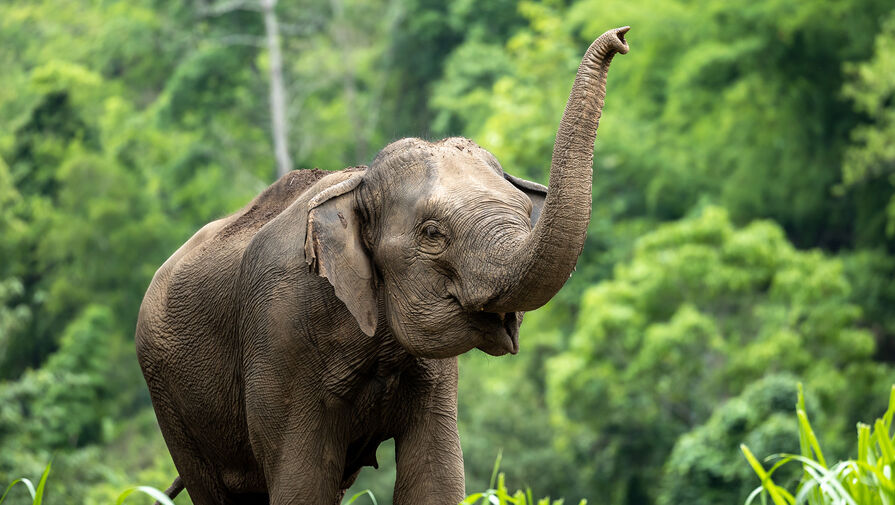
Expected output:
(511, 329)
(501, 330)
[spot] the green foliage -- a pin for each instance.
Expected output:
(703, 467)
(365, 492)
(735, 102)
(741, 236)
(702, 310)
(500, 495)
(869, 165)
(866, 480)
(870, 273)
(37, 494)
(497, 493)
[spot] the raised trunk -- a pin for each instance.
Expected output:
(540, 267)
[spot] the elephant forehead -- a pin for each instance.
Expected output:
(457, 181)
(470, 207)
(473, 182)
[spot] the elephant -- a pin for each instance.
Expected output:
(282, 344)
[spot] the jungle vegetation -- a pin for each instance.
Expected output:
(742, 239)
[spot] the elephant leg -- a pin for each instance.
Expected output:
(200, 478)
(304, 459)
(305, 477)
(430, 465)
(428, 454)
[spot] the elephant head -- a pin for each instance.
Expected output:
(450, 248)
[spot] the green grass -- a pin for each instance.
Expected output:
(866, 480)
(496, 494)
(37, 494)
(362, 493)
(500, 495)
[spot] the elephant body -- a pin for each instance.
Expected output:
(215, 396)
(282, 344)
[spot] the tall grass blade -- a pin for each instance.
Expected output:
(495, 469)
(805, 427)
(159, 496)
(827, 481)
(772, 489)
(370, 494)
(755, 492)
(27, 483)
(881, 479)
(39, 492)
(864, 448)
(473, 498)
(867, 480)
(887, 417)
(881, 434)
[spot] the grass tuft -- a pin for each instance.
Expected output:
(867, 480)
(37, 495)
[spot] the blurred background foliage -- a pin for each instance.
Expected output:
(742, 240)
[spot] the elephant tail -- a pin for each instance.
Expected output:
(174, 490)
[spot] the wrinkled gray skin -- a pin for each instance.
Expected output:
(283, 343)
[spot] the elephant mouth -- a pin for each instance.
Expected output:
(501, 331)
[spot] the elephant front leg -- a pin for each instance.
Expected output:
(430, 465)
(428, 453)
(304, 460)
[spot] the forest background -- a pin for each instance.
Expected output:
(742, 240)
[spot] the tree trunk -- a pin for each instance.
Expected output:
(279, 126)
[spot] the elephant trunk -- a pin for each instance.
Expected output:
(547, 257)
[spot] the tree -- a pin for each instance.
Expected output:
(702, 87)
(278, 99)
(702, 310)
(869, 164)
(705, 466)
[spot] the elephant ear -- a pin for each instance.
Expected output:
(334, 250)
(536, 193)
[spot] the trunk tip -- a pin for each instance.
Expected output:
(616, 39)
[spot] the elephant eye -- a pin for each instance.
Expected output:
(432, 239)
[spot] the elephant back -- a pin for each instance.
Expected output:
(271, 202)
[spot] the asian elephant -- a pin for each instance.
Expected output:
(283, 343)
